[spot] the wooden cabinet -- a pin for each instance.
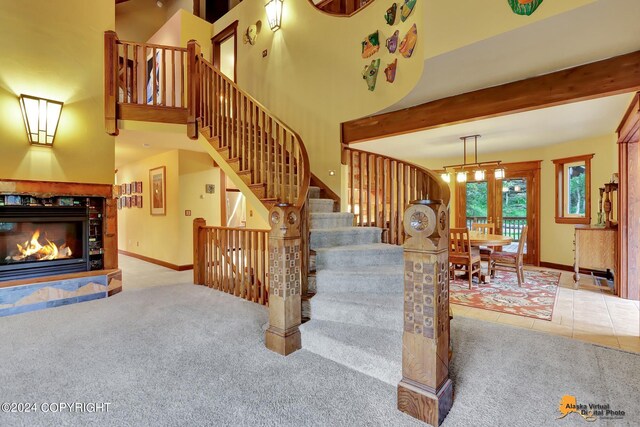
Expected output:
(595, 249)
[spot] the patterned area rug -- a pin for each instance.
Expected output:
(535, 298)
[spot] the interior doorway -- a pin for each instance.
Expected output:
(225, 48)
(509, 203)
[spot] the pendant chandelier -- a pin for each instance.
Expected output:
(478, 168)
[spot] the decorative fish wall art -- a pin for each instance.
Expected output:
(371, 45)
(524, 7)
(390, 71)
(392, 42)
(409, 42)
(390, 16)
(406, 9)
(370, 73)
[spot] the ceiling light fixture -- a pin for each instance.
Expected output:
(159, 3)
(41, 117)
(478, 168)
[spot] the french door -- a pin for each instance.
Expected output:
(509, 203)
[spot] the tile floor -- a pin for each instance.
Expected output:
(588, 314)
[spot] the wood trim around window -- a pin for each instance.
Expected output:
(559, 190)
(231, 30)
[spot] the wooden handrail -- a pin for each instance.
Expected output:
(262, 144)
(380, 188)
(232, 260)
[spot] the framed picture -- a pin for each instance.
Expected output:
(139, 187)
(123, 189)
(119, 202)
(128, 201)
(158, 184)
(134, 201)
(140, 201)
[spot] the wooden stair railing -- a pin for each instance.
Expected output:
(268, 155)
(132, 93)
(380, 188)
(232, 260)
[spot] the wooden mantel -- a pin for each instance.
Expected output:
(629, 202)
(613, 76)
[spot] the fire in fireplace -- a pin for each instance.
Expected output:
(34, 250)
(39, 241)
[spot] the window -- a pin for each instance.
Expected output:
(573, 190)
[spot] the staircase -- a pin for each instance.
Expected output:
(356, 313)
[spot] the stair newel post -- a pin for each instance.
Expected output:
(193, 88)
(111, 82)
(199, 251)
(426, 392)
(285, 311)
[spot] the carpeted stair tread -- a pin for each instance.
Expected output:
(314, 192)
(385, 313)
(376, 279)
(355, 256)
(321, 205)
(322, 220)
(370, 350)
(341, 236)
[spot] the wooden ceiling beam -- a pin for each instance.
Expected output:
(613, 76)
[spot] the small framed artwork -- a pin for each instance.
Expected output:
(119, 203)
(123, 189)
(128, 188)
(128, 202)
(134, 201)
(140, 201)
(158, 184)
(139, 187)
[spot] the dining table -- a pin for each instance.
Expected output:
(478, 239)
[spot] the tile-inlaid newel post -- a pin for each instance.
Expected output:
(285, 311)
(426, 392)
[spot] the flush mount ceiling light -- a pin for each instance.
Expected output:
(478, 168)
(274, 14)
(41, 117)
(159, 3)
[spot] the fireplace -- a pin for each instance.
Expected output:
(40, 241)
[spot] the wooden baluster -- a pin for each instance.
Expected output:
(400, 203)
(211, 248)
(385, 178)
(269, 155)
(125, 68)
(376, 201)
(350, 168)
(360, 190)
(263, 145)
(134, 75)
(173, 78)
(163, 82)
(154, 84)
(283, 162)
(183, 84)
(252, 143)
(393, 202)
(226, 257)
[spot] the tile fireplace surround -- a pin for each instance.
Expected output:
(99, 281)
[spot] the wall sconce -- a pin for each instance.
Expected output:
(41, 117)
(274, 14)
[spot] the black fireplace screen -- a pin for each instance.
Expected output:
(28, 242)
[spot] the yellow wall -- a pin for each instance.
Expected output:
(168, 238)
(556, 244)
(54, 49)
(453, 24)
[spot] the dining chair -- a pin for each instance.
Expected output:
(486, 252)
(509, 261)
(462, 254)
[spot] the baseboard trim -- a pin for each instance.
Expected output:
(157, 261)
(570, 268)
